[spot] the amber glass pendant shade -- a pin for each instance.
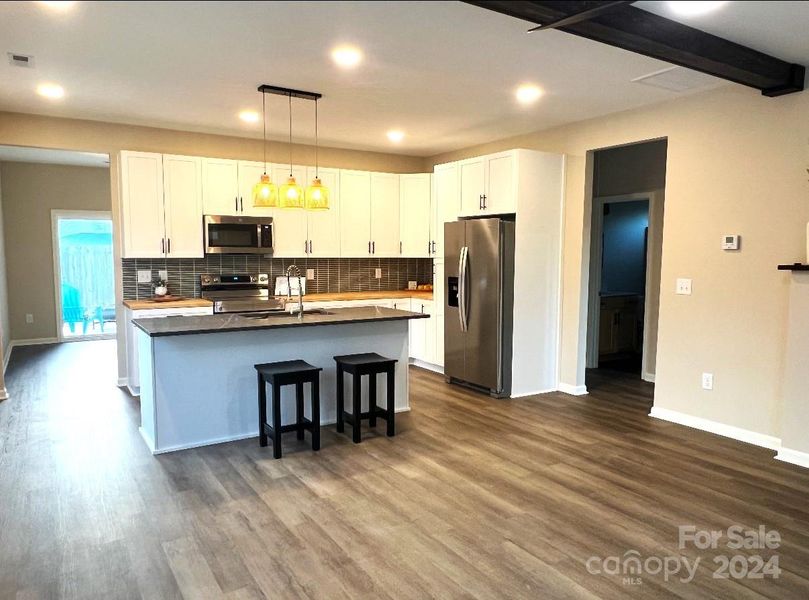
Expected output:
(291, 194)
(317, 196)
(265, 193)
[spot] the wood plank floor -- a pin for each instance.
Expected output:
(474, 498)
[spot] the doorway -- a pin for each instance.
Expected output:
(84, 277)
(626, 235)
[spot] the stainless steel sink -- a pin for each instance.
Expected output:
(257, 316)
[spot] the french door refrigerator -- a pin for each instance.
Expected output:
(478, 303)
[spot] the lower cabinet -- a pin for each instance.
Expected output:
(422, 332)
(132, 369)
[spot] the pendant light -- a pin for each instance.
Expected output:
(265, 192)
(291, 194)
(317, 194)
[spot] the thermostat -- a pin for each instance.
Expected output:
(730, 242)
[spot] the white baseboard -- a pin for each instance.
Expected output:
(573, 390)
(3, 393)
(729, 431)
(425, 365)
(33, 342)
(650, 377)
(795, 457)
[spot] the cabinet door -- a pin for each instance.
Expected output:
(289, 224)
(403, 304)
(324, 225)
(182, 193)
(446, 203)
(438, 286)
(472, 185)
(142, 204)
(355, 214)
(418, 333)
(414, 215)
(438, 327)
(500, 188)
(385, 214)
(249, 175)
(220, 187)
(429, 332)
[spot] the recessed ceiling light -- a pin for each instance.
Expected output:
(58, 5)
(249, 116)
(693, 9)
(347, 57)
(50, 90)
(528, 93)
(396, 136)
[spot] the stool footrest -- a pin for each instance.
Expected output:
(379, 412)
(307, 424)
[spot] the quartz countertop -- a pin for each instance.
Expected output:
(381, 295)
(222, 323)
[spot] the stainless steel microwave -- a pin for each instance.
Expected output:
(238, 235)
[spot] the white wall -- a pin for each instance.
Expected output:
(4, 321)
(736, 164)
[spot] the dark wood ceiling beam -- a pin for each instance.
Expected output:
(649, 34)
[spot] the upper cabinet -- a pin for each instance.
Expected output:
(289, 224)
(249, 175)
(161, 201)
(220, 190)
(355, 211)
(323, 226)
(414, 215)
(488, 184)
(385, 215)
(446, 204)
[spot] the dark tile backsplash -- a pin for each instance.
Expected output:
(331, 274)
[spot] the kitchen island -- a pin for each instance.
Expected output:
(198, 384)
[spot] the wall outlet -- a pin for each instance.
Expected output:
(310, 274)
(29, 318)
(707, 381)
(684, 287)
(144, 276)
(163, 275)
(378, 273)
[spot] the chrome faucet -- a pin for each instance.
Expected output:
(294, 271)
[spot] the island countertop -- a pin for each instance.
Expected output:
(222, 323)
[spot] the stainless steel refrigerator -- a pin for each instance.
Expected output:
(478, 303)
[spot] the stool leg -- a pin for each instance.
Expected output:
(391, 400)
(276, 420)
(372, 399)
(357, 416)
(315, 393)
(340, 400)
(262, 410)
(299, 409)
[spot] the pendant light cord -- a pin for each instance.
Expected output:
(290, 135)
(317, 175)
(264, 123)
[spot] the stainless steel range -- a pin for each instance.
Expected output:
(240, 293)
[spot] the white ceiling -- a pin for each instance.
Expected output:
(444, 72)
(53, 157)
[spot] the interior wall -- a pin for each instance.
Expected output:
(5, 339)
(110, 138)
(30, 191)
(624, 254)
(736, 164)
(629, 169)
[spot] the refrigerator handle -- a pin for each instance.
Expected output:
(462, 299)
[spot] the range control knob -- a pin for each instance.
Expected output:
(206, 279)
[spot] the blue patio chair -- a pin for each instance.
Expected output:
(72, 310)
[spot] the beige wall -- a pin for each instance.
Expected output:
(4, 329)
(30, 191)
(94, 136)
(736, 164)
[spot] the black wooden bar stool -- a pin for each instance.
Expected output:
(358, 365)
(278, 374)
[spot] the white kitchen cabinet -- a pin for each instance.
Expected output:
(355, 218)
(249, 175)
(324, 225)
(385, 215)
(402, 304)
(161, 203)
(446, 205)
(132, 368)
(289, 224)
(439, 339)
(422, 332)
(415, 193)
(182, 192)
(488, 184)
(220, 187)
(141, 177)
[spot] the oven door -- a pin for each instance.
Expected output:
(238, 235)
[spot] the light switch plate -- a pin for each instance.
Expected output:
(310, 273)
(144, 276)
(684, 286)
(707, 381)
(378, 273)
